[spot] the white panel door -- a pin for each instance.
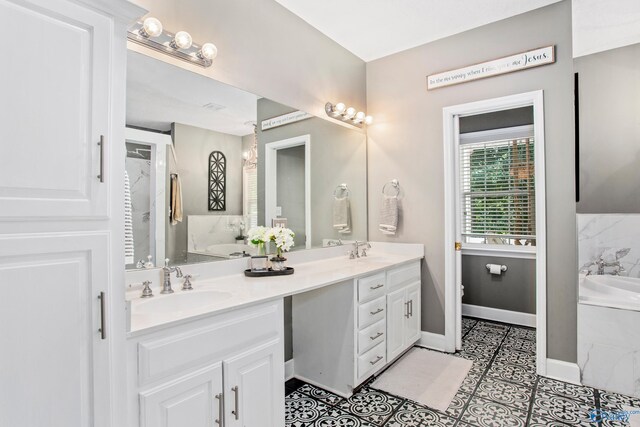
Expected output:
(54, 364)
(396, 313)
(194, 400)
(254, 387)
(53, 109)
(412, 329)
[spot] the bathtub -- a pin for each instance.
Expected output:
(610, 291)
(608, 333)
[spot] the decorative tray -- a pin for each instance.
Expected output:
(269, 272)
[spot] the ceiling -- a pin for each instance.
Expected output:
(372, 29)
(159, 94)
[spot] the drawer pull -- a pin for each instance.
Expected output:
(377, 359)
(376, 336)
(220, 419)
(102, 330)
(406, 312)
(373, 288)
(377, 311)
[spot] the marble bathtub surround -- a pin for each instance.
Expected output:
(612, 239)
(206, 230)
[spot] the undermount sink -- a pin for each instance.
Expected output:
(181, 301)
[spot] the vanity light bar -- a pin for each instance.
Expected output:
(151, 34)
(350, 115)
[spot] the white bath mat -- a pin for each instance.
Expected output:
(426, 377)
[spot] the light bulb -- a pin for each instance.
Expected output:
(208, 51)
(359, 117)
(245, 155)
(340, 107)
(151, 27)
(182, 40)
(368, 120)
(350, 113)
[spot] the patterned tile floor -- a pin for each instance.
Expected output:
(501, 390)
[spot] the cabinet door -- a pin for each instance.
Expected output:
(54, 363)
(194, 400)
(396, 314)
(53, 109)
(412, 330)
(254, 387)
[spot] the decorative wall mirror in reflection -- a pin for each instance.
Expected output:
(202, 172)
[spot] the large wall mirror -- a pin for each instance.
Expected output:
(206, 162)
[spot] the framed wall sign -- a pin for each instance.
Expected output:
(284, 119)
(508, 64)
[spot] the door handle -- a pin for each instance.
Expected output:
(406, 309)
(410, 308)
(220, 419)
(377, 311)
(101, 145)
(102, 330)
(236, 411)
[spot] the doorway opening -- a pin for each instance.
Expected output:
(495, 231)
(288, 187)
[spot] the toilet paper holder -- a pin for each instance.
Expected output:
(503, 268)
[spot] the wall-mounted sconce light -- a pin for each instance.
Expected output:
(150, 33)
(349, 115)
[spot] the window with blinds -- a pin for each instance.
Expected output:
(498, 191)
(250, 197)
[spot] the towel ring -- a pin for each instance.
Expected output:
(395, 184)
(343, 188)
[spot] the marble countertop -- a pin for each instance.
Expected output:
(221, 294)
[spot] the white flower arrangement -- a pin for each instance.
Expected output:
(282, 237)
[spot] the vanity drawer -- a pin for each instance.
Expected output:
(371, 312)
(403, 275)
(371, 336)
(371, 287)
(372, 360)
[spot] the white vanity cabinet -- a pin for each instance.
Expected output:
(62, 311)
(346, 332)
(223, 370)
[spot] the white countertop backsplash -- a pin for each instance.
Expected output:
(314, 268)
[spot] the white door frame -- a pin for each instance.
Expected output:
(271, 179)
(159, 142)
(453, 257)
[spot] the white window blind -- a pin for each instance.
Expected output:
(498, 191)
(250, 197)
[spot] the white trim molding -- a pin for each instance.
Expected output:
(498, 315)
(502, 251)
(432, 341)
(289, 369)
(452, 292)
(270, 192)
(563, 371)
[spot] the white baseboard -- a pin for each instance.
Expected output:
(563, 371)
(431, 340)
(506, 316)
(289, 371)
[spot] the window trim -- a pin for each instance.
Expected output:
(503, 251)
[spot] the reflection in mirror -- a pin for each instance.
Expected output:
(206, 162)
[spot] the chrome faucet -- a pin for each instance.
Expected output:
(614, 268)
(356, 248)
(166, 283)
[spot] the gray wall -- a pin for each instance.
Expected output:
(265, 49)
(193, 146)
(610, 131)
(338, 155)
(514, 290)
(405, 142)
(290, 195)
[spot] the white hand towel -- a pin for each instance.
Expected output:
(389, 215)
(342, 215)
